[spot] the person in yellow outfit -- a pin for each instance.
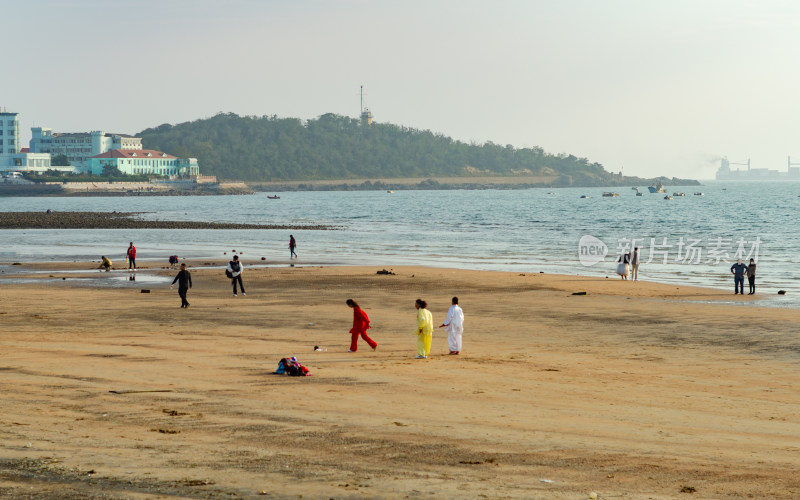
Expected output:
(105, 264)
(424, 329)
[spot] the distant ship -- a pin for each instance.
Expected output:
(657, 188)
(726, 173)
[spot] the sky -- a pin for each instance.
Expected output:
(648, 88)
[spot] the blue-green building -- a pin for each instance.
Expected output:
(143, 162)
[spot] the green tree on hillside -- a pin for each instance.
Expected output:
(269, 148)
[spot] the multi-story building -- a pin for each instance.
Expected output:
(9, 133)
(12, 157)
(143, 162)
(79, 147)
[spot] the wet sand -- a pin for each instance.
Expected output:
(635, 390)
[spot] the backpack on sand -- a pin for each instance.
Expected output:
(291, 367)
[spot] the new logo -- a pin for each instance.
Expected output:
(591, 250)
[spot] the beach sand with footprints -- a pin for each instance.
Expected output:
(633, 390)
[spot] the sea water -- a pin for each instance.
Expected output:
(689, 239)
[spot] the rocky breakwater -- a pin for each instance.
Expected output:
(120, 220)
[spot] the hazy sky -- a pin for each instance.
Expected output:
(650, 87)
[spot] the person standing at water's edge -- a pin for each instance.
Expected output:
(738, 271)
(635, 264)
(360, 327)
(292, 246)
(131, 257)
(235, 270)
(424, 329)
(184, 279)
(751, 276)
(622, 266)
(454, 325)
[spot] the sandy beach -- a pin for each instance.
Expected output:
(634, 390)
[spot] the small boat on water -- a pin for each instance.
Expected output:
(667, 197)
(638, 193)
(657, 188)
(584, 196)
(390, 191)
(678, 194)
(608, 194)
(276, 197)
(699, 194)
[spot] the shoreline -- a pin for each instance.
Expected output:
(122, 220)
(700, 293)
(122, 393)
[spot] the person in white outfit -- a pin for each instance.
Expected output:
(454, 325)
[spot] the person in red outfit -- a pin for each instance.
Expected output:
(131, 257)
(360, 326)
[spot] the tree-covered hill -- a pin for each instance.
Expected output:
(269, 148)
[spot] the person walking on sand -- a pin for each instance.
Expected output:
(635, 264)
(292, 246)
(131, 257)
(184, 279)
(454, 326)
(424, 329)
(106, 263)
(751, 276)
(360, 327)
(235, 271)
(738, 271)
(622, 267)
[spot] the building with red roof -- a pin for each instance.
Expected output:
(143, 162)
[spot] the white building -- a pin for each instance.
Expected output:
(144, 162)
(79, 147)
(9, 133)
(12, 157)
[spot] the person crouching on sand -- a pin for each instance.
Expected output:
(105, 264)
(360, 327)
(424, 329)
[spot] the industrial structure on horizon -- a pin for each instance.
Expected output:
(724, 172)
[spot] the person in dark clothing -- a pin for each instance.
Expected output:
(751, 276)
(738, 271)
(235, 271)
(292, 246)
(184, 279)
